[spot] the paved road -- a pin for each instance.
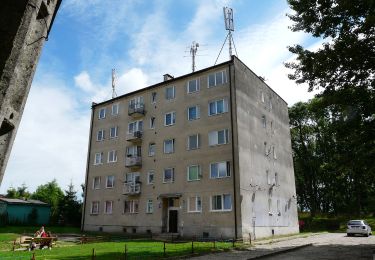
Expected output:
(330, 246)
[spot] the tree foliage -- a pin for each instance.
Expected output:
(70, 208)
(18, 193)
(334, 134)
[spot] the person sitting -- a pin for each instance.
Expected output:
(32, 245)
(46, 242)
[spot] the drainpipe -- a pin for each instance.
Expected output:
(87, 170)
(233, 150)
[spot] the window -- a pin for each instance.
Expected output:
(270, 206)
(110, 182)
(170, 93)
(133, 151)
(108, 207)
(132, 178)
(217, 78)
(262, 97)
(135, 127)
(193, 142)
(219, 170)
(96, 183)
(276, 179)
(152, 122)
(151, 149)
(115, 109)
(193, 86)
(170, 118)
(194, 204)
(264, 122)
(169, 146)
(95, 207)
(221, 202)
(168, 175)
(153, 97)
(131, 206)
(274, 152)
(102, 113)
(193, 113)
(150, 177)
(218, 137)
(149, 207)
(113, 132)
(98, 158)
(193, 173)
(268, 177)
(100, 135)
(112, 156)
(136, 103)
(217, 107)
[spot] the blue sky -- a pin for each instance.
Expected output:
(142, 40)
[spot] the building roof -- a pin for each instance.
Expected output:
(181, 77)
(24, 202)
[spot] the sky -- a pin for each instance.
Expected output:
(142, 40)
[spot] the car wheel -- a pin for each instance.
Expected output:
(349, 235)
(366, 235)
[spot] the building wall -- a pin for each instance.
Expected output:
(19, 213)
(261, 149)
(215, 223)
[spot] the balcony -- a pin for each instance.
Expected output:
(131, 188)
(136, 110)
(134, 137)
(133, 161)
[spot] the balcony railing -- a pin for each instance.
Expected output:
(137, 109)
(132, 188)
(135, 136)
(133, 161)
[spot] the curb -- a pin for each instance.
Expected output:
(280, 252)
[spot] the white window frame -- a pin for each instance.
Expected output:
(94, 182)
(264, 121)
(228, 170)
(97, 203)
(224, 77)
(133, 151)
(132, 207)
(196, 199)
(100, 157)
(106, 208)
(173, 118)
(198, 113)
(173, 148)
(100, 135)
(225, 106)
(137, 101)
(149, 173)
(198, 139)
(152, 122)
(137, 126)
(153, 97)
(173, 175)
(112, 156)
(173, 92)
(213, 137)
(102, 112)
(150, 152)
(199, 172)
(115, 109)
(197, 84)
(107, 179)
(222, 203)
(149, 206)
(115, 132)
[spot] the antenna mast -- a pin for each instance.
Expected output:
(229, 26)
(193, 53)
(114, 94)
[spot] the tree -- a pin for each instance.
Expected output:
(70, 208)
(344, 70)
(19, 193)
(52, 194)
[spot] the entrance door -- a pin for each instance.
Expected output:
(173, 221)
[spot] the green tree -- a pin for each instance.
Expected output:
(18, 193)
(70, 208)
(52, 194)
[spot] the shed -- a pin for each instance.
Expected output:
(19, 211)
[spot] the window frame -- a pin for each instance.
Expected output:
(228, 170)
(198, 141)
(223, 75)
(150, 173)
(137, 126)
(114, 159)
(173, 93)
(172, 143)
(172, 177)
(222, 203)
(197, 113)
(106, 208)
(116, 132)
(97, 203)
(216, 101)
(196, 198)
(216, 137)
(107, 181)
(100, 158)
(94, 181)
(173, 118)
(152, 122)
(153, 97)
(132, 208)
(151, 152)
(117, 109)
(100, 115)
(199, 174)
(197, 84)
(149, 210)
(102, 131)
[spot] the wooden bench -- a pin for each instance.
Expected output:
(27, 241)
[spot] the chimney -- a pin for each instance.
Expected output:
(167, 77)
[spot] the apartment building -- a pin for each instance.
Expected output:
(205, 154)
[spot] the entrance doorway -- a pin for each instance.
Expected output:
(172, 225)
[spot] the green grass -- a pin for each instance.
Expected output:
(32, 230)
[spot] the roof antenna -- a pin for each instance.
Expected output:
(229, 26)
(114, 94)
(193, 53)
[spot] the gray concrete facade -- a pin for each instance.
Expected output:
(234, 193)
(24, 26)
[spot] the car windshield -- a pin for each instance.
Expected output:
(355, 222)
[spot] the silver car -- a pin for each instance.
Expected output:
(358, 227)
